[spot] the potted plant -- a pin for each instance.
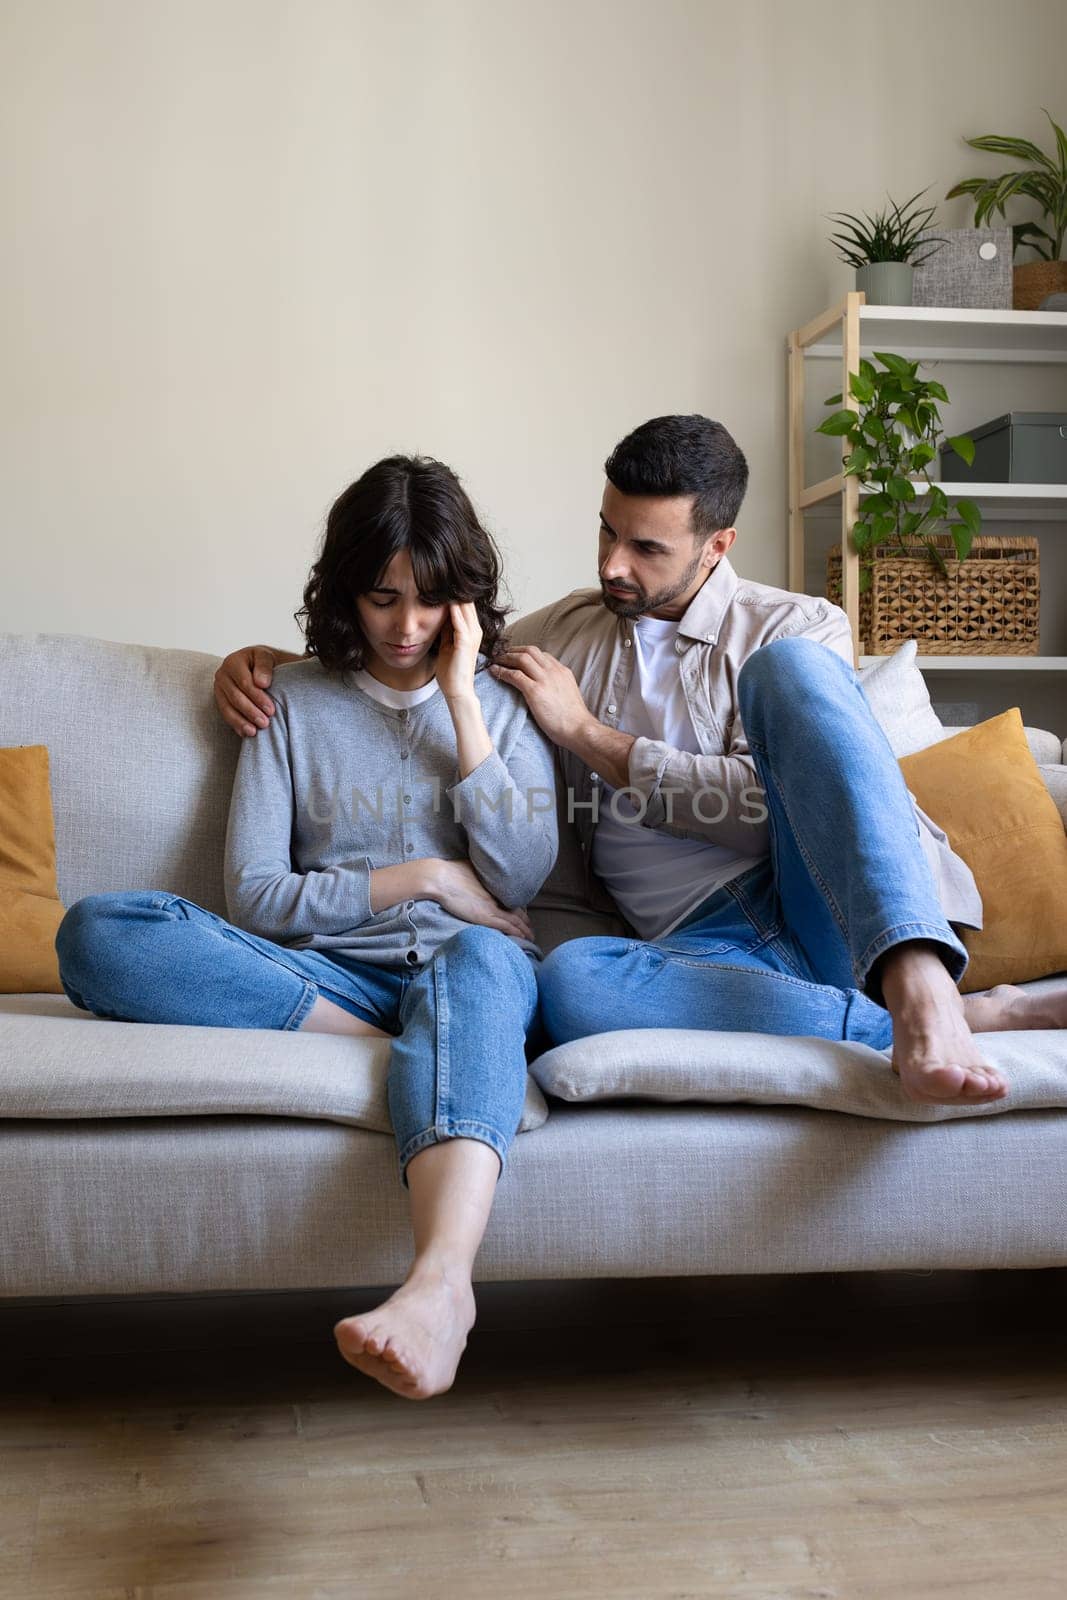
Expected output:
(1043, 180)
(894, 436)
(912, 545)
(883, 249)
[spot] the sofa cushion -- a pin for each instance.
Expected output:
(61, 1063)
(141, 763)
(30, 908)
(984, 788)
(680, 1064)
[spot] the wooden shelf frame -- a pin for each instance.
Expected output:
(845, 314)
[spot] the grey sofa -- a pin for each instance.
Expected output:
(143, 1159)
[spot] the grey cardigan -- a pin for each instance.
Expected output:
(337, 785)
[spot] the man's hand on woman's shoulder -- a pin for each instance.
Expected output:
(240, 681)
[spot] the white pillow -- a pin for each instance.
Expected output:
(682, 1064)
(897, 694)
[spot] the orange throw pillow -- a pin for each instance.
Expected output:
(984, 788)
(30, 910)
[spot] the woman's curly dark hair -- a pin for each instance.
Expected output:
(411, 503)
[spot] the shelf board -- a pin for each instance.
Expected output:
(948, 333)
(1018, 501)
(981, 663)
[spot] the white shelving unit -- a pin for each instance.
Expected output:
(853, 328)
(943, 333)
(1045, 502)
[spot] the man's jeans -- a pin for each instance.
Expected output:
(788, 946)
(458, 1061)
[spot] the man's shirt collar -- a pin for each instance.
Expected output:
(703, 616)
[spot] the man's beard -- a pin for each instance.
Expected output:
(637, 603)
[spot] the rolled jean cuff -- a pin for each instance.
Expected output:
(300, 1011)
(454, 1129)
(952, 952)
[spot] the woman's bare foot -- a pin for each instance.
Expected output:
(934, 1052)
(1006, 1008)
(412, 1342)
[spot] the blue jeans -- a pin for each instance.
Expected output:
(458, 1061)
(789, 946)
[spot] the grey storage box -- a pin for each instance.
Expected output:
(972, 268)
(1020, 447)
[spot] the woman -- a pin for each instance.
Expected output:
(385, 833)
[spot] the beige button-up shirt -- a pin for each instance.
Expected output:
(728, 618)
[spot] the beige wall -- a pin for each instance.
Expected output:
(258, 244)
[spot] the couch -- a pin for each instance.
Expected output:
(142, 1159)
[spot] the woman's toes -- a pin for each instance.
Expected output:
(397, 1358)
(348, 1335)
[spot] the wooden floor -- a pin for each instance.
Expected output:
(844, 1437)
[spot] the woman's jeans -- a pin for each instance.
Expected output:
(788, 946)
(458, 1062)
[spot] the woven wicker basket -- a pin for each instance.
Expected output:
(989, 605)
(1034, 280)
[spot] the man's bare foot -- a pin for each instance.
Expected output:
(1007, 1008)
(934, 1052)
(412, 1342)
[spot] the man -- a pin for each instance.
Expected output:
(733, 794)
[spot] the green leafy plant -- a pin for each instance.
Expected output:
(894, 435)
(890, 235)
(1045, 181)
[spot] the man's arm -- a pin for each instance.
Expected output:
(717, 798)
(240, 682)
(713, 797)
(604, 750)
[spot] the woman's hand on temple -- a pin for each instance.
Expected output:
(457, 887)
(461, 638)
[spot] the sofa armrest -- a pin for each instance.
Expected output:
(1056, 784)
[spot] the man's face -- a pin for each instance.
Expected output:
(649, 562)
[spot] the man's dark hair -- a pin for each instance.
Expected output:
(684, 455)
(411, 503)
